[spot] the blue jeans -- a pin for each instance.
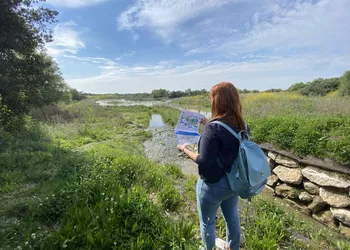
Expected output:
(209, 198)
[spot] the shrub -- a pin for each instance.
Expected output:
(316, 136)
(345, 84)
(273, 90)
(296, 87)
(53, 113)
(320, 86)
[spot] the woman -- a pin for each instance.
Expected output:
(218, 149)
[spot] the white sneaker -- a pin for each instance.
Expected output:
(220, 244)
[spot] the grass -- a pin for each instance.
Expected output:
(82, 181)
(87, 184)
(169, 115)
(282, 103)
(316, 126)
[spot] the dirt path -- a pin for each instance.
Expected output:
(162, 148)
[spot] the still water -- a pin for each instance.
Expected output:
(124, 102)
(156, 121)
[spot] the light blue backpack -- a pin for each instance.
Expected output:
(250, 169)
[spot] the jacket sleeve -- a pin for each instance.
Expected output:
(209, 148)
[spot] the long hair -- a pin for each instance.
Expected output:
(226, 104)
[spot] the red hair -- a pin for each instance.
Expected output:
(226, 104)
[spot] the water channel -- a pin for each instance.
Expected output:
(162, 146)
(124, 102)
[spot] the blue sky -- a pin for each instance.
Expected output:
(130, 46)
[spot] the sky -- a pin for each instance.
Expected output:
(133, 46)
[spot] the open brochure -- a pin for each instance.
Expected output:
(187, 127)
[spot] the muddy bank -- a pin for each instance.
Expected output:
(162, 147)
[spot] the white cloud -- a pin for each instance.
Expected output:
(281, 29)
(66, 40)
(74, 3)
(233, 26)
(164, 16)
(315, 26)
(94, 60)
(256, 73)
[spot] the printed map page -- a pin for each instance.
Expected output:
(187, 127)
(188, 121)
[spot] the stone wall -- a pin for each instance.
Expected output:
(316, 187)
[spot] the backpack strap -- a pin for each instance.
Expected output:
(238, 136)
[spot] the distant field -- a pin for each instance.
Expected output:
(318, 126)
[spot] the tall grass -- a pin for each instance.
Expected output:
(282, 103)
(169, 115)
(317, 126)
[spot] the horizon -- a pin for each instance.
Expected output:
(104, 46)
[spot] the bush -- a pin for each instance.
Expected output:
(53, 113)
(320, 86)
(273, 90)
(316, 136)
(345, 84)
(77, 95)
(296, 87)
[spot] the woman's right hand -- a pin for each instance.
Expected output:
(204, 121)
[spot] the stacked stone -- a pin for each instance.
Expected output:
(322, 194)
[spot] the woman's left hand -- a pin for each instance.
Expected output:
(181, 147)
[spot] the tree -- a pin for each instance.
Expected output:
(321, 86)
(77, 95)
(297, 86)
(28, 77)
(158, 93)
(345, 84)
(273, 90)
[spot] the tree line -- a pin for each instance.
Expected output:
(321, 86)
(317, 87)
(161, 93)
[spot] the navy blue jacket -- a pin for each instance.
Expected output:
(215, 142)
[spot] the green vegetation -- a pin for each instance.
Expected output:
(317, 126)
(318, 136)
(321, 87)
(297, 86)
(159, 93)
(199, 102)
(82, 181)
(169, 115)
(345, 84)
(271, 226)
(163, 93)
(29, 78)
